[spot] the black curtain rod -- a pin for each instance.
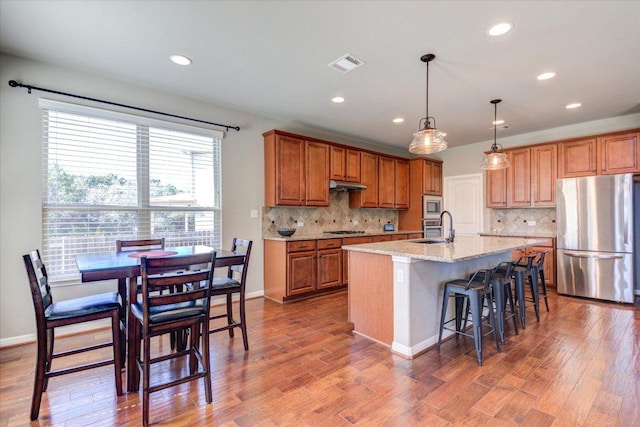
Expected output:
(14, 83)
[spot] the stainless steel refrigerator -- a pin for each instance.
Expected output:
(595, 246)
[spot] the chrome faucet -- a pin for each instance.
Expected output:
(452, 232)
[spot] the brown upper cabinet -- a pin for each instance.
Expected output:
(529, 181)
(368, 176)
(296, 171)
(577, 158)
(431, 177)
(345, 164)
(393, 183)
(601, 155)
(543, 175)
(618, 154)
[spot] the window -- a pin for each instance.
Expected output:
(110, 176)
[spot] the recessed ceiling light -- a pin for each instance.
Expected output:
(573, 105)
(180, 60)
(497, 122)
(546, 76)
(398, 120)
(500, 29)
(338, 99)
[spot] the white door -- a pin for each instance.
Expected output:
(463, 197)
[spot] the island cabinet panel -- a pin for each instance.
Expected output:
(543, 175)
(577, 158)
(373, 312)
(497, 188)
(386, 182)
(618, 154)
(345, 255)
(519, 178)
(369, 176)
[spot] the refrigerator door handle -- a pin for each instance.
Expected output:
(598, 256)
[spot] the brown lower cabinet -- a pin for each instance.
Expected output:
(305, 268)
(549, 260)
(301, 268)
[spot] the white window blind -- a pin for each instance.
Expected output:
(110, 176)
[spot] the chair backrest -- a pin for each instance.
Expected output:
(241, 246)
(122, 245)
(483, 276)
(504, 270)
(189, 276)
(39, 284)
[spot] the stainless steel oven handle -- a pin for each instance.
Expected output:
(596, 256)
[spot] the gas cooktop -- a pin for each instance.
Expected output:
(344, 232)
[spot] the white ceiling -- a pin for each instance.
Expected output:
(270, 58)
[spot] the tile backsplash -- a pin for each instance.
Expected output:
(521, 220)
(337, 216)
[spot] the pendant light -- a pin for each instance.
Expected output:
(496, 159)
(428, 139)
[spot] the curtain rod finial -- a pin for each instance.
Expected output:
(13, 83)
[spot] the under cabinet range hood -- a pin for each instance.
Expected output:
(346, 186)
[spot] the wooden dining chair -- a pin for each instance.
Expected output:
(234, 283)
(50, 315)
(139, 244)
(188, 307)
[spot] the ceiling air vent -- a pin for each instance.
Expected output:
(346, 63)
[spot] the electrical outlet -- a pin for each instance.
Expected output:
(531, 223)
(300, 224)
(399, 276)
(355, 222)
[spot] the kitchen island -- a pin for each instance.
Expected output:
(395, 288)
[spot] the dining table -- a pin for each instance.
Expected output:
(125, 267)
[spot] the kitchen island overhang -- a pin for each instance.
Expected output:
(395, 288)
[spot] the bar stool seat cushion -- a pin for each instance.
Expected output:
(82, 306)
(169, 312)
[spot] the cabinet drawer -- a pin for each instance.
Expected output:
(301, 245)
(329, 243)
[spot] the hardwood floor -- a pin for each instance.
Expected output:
(580, 366)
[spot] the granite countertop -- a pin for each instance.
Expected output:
(463, 247)
(533, 234)
(320, 236)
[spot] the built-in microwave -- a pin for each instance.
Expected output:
(431, 206)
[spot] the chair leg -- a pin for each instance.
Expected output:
(146, 369)
(117, 352)
(243, 323)
(206, 364)
(460, 308)
(40, 374)
(500, 302)
(445, 302)
(520, 296)
(476, 317)
(544, 289)
(230, 314)
(492, 322)
(51, 335)
(533, 284)
(509, 298)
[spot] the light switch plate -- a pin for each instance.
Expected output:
(254, 213)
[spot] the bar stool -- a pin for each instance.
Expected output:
(474, 291)
(520, 272)
(503, 295)
(543, 286)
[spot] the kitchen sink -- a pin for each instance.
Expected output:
(432, 241)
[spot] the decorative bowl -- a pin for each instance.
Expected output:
(286, 232)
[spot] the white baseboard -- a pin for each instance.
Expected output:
(98, 324)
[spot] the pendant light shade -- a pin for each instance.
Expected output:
(496, 159)
(428, 139)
